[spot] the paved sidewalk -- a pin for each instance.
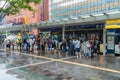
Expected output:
(98, 68)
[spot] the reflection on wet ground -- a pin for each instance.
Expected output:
(110, 62)
(24, 66)
(11, 67)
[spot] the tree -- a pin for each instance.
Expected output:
(12, 7)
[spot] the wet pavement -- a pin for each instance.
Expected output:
(25, 66)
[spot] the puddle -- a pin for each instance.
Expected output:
(19, 74)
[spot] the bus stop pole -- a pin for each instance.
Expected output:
(63, 32)
(104, 40)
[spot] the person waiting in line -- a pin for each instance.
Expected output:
(77, 48)
(38, 43)
(26, 44)
(82, 47)
(4, 44)
(35, 47)
(91, 49)
(64, 48)
(20, 44)
(71, 47)
(8, 45)
(13, 45)
(17, 44)
(96, 47)
(49, 43)
(59, 48)
(55, 46)
(31, 42)
(42, 45)
(86, 48)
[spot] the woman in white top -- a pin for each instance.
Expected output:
(86, 48)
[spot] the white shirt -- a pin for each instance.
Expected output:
(31, 41)
(77, 44)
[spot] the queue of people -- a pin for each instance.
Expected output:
(60, 48)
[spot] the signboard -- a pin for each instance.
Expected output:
(110, 33)
(112, 24)
(117, 49)
(101, 48)
(110, 42)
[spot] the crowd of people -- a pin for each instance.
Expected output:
(60, 48)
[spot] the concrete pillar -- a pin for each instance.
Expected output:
(63, 32)
(104, 40)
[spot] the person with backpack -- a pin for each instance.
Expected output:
(63, 45)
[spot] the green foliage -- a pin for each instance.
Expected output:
(14, 6)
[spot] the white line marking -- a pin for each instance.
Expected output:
(26, 66)
(34, 63)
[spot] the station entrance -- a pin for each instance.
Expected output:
(88, 31)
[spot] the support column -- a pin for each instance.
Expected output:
(104, 40)
(63, 32)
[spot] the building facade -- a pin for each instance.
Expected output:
(64, 9)
(44, 10)
(25, 16)
(28, 17)
(60, 9)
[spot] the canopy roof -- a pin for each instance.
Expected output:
(81, 19)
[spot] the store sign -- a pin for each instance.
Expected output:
(110, 42)
(110, 33)
(113, 21)
(117, 49)
(113, 24)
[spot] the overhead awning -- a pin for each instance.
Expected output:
(80, 19)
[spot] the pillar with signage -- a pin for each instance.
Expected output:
(113, 36)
